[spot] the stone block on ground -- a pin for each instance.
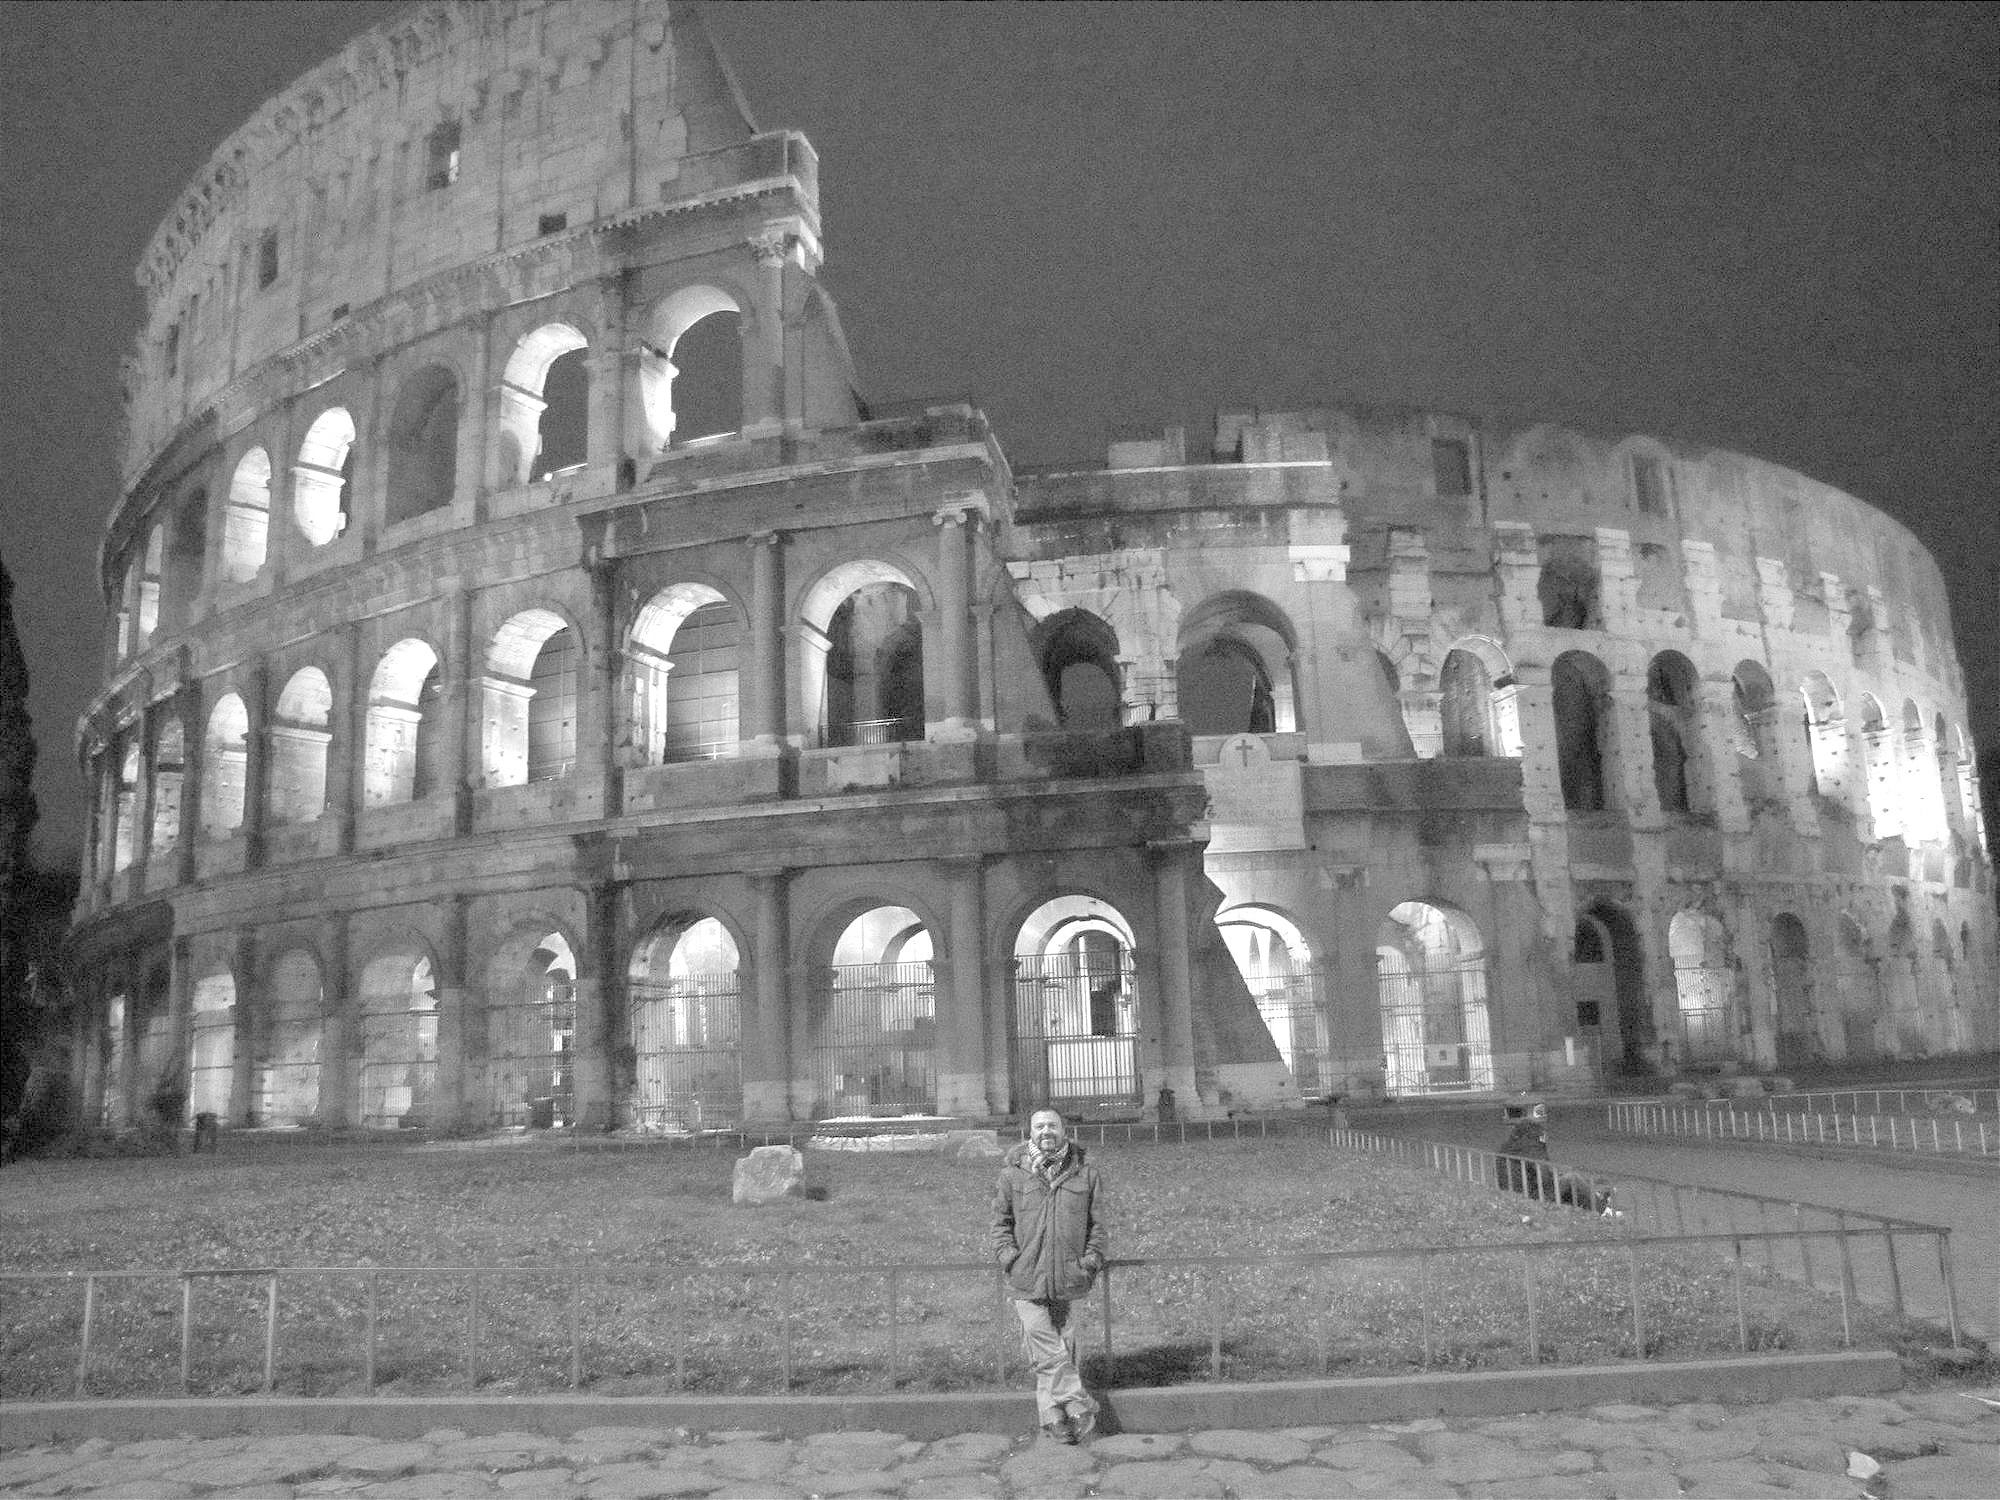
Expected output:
(971, 1145)
(768, 1174)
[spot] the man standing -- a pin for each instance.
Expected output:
(1048, 1236)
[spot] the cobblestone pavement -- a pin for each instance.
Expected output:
(1932, 1443)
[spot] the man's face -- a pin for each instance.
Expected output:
(1047, 1131)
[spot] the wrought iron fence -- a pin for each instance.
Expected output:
(1927, 1100)
(1076, 1019)
(876, 1054)
(1933, 1135)
(686, 1035)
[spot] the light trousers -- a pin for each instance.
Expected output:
(1048, 1338)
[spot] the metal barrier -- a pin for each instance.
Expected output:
(1935, 1099)
(1867, 1243)
(1956, 1135)
(1495, 1271)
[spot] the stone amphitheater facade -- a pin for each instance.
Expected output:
(542, 691)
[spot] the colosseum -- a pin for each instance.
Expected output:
(542, 691)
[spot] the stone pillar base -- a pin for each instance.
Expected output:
(767, 1102)
(962, 1095)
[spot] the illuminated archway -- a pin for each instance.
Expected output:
(685, 998)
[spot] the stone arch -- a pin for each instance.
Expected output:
(1858, 984)
(404, 759)
(144, 587)
(1077, 652)
(1826, 737)
(1798, 1035)
(397, 1078)
(684, 991)
(1608, 964)
(668, 390)
(1076, 1006)
(299, 737)
(862, 656)
(1705, 986)
(212, 1044)
(169, 776)
(1430, 975)
(1944, 749)
(246, 517)
(288, 1064)
(872, 1016)
(684, 655)
(544, 414)
(530, 1026)
(1469, 705)
(1673, 712)
(225, 767)
(1880, 782)
(125, 841)
(186, 559)
(1292, 987)
(533, 671)
(323, 475)
(423, 445)
(1753, 735)
(1580, 697)
(1923, 811)
(1235, 667)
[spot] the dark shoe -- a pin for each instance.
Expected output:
(1082, 1422)
(1060, 1430)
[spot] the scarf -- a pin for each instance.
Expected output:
(1048, 1168)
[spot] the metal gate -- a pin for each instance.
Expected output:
(688, 1036)
(398, 1073)
(529, 1065)
(1295, 1005)
(876, 1053)
(1076, 1029)
(1434, 1031)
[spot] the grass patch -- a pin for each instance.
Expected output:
(637, 1260)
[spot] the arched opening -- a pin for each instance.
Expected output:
(169, 773)
(1076, 1010)
(1235, 670)
(1673, 718)
(1753, 734)
(246, 518)
(544, 415)
(1292, 991)
(1465, 706)
(212, 1052)
(1858, 983)
(1431, 990)
(1798, 1039)
(146, 603)
(401, 757)
(125, 805)
(321, 477)
(692, 382)
(397, 1079)
(298, 743)
(225, 762)
(187, 556)
(874, 1024)
(530, 700)
(1705, 984)
(288, 1070)
(874, 668)
(423, 445)
(1078, 656)
(1608, 973)
(1878, 756)
(1580, 690)
(1924, 813)
(1948, 795)
(1826, 738)
(1567, 586)
(531, 1031)
(684, 656)
(686, 1006)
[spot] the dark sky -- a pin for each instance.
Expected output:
(1773, 228)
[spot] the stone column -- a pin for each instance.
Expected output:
(955, 624)
(605, 725)
(245, 1016)
(766, 1018)
(194, 772)
(461, 712)
(180, 1015)
(962, 1063)
(764, 385)
(604, 435)
(457, 1070)
(125, 1046)
(148, 729)
(600, 1012)
(766, 698)
(475, 426)
(347, 759)
(256, 759)
(337, 1027)
(1173, 1005)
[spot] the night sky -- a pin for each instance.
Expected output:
(1770, 228)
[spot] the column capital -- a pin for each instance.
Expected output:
(963, 508)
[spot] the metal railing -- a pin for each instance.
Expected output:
(1871, 1267)
(1929, 1100)
(1411, 1300)
(1955, 1134)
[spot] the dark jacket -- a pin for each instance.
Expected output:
(1048, 1238)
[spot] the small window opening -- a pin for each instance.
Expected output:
(1649, 484)
(441, 156)
(267, 258)
(1451, 466)
(552, 223)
